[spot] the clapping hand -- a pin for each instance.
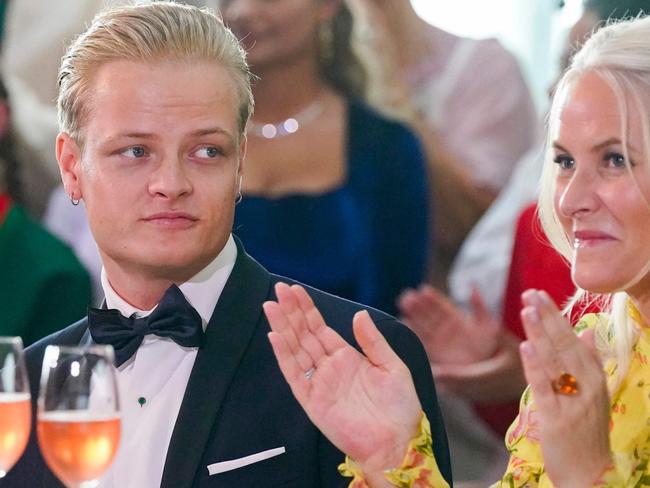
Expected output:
(450, 335)
(365, 403)
(570, 393)
(470, 353)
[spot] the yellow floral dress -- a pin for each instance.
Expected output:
(418, 470)
(629, 421)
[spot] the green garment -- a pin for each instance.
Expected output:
(43, 287)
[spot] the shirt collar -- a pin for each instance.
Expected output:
(202, 291)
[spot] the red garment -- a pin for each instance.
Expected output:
(535, 264)
(5, 204)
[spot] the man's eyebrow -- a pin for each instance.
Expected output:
(130, 135)
(149, 136)
(210, 131)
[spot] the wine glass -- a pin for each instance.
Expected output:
(15, 403)
(78, 413)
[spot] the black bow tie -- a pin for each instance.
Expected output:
(173, 318)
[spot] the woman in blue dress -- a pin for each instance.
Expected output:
(335, 195)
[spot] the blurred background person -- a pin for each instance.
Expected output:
(467, 100)
(43, 286)
(335, 195)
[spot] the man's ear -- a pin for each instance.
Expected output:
(68, 155)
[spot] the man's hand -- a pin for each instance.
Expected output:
(365, 404)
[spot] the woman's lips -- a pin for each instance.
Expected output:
(591, 238)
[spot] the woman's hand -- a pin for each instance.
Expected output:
(574, 428)
(498, 379)
(450, 336)
(365, 404)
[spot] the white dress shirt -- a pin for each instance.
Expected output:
(152, 383)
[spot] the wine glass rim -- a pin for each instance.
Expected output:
(99, 349)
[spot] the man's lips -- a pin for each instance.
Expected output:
(173, 220)
(589, 238)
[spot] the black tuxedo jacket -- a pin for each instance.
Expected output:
(237, 402)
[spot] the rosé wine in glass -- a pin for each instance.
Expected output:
(78, 423)
(15, 403)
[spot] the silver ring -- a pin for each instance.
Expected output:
(310, 372)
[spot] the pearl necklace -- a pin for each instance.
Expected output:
(287, 126)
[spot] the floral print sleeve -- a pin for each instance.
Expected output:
(418, 470)
(629, 421)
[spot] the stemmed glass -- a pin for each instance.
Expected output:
(78, 413)
(15, 403)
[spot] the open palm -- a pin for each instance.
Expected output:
(450, 336)
(366, 404)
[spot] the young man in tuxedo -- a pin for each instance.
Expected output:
(153, 104)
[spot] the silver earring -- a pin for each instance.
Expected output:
(73, 200)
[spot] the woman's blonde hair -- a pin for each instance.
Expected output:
(619, 54)
(148, 33)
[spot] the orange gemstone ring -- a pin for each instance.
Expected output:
(565, 384)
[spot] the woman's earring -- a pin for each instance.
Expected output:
(73, 200)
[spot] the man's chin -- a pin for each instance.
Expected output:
(172, 266)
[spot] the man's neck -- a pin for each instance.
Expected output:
(143, 288)
(202, 289)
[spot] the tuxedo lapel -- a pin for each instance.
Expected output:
(227, 336)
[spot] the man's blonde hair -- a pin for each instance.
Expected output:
(148, 33)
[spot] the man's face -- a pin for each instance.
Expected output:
(160, 167)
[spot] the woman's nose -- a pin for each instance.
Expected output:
(579, 195)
